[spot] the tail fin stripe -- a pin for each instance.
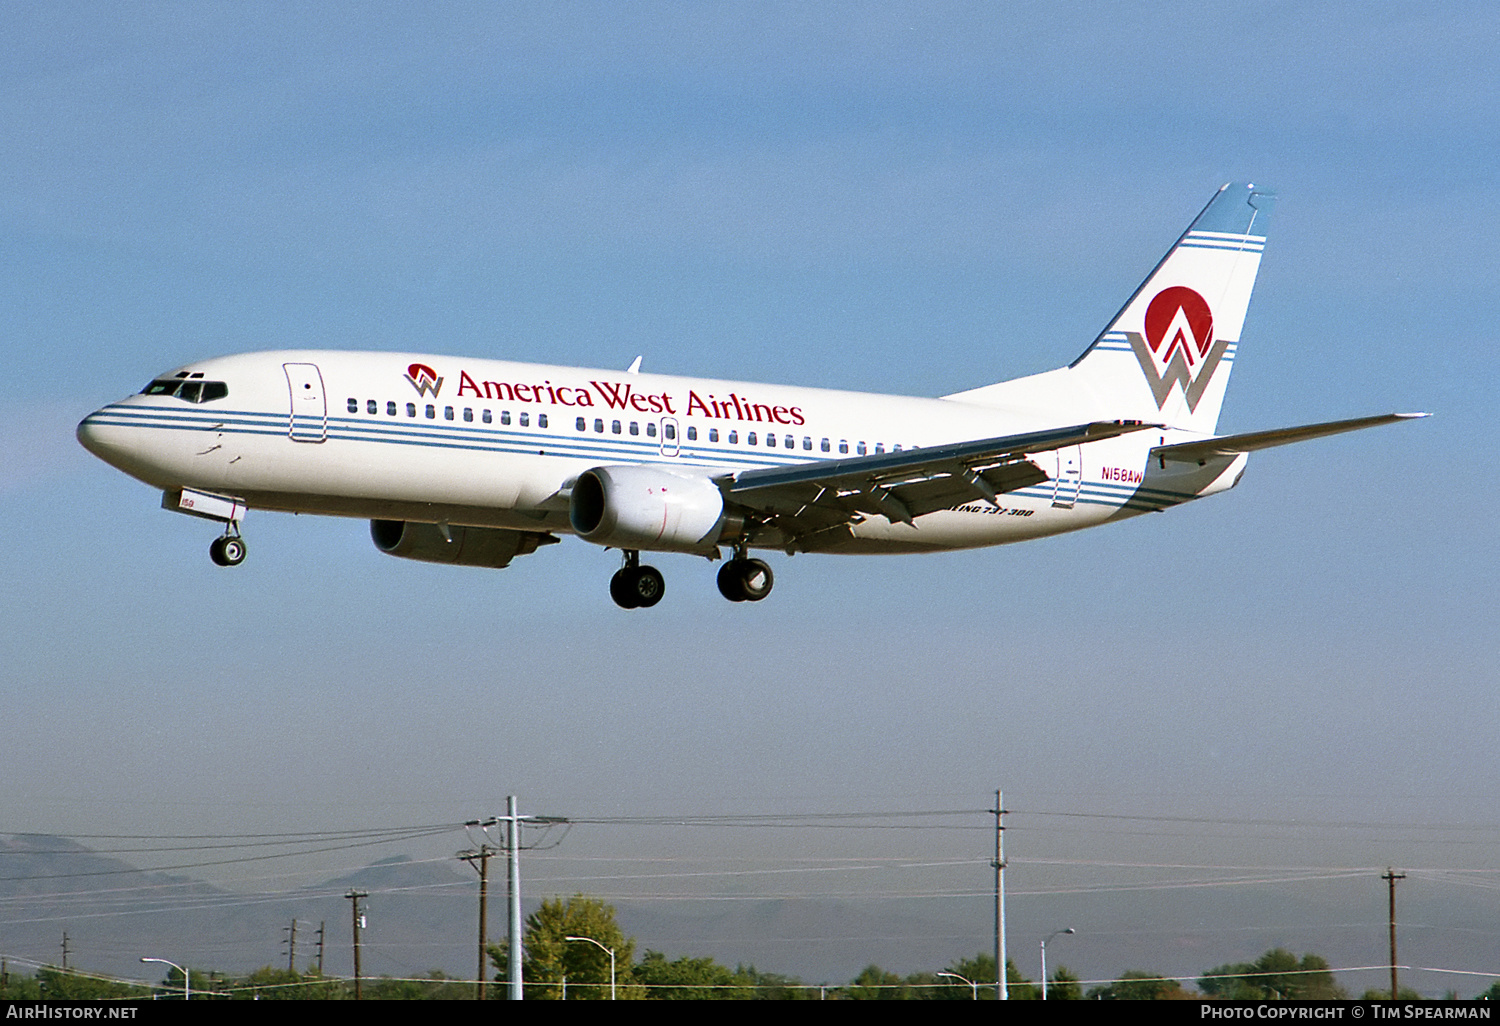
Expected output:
(1119, 342)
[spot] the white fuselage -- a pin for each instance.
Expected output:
(488, 443)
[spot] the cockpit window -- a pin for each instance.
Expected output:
(190, 391)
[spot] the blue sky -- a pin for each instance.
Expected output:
(909, 198)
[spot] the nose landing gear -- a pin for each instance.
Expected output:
(227, 550)
(635, 586)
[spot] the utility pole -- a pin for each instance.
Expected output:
(513, 821)
(1390, 877)
(513, 888)
(291, 948)
(481, 856)
(1002, 986)
(322, 923)
(354, 897)
(66, 950)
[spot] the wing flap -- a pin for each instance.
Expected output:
(823, 497)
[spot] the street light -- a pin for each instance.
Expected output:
(611, 954)
(187, 994)
(1054, 933)
(970, 982)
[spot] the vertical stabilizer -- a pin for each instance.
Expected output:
(1166, 356)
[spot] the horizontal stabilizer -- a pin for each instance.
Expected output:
(1233, 445)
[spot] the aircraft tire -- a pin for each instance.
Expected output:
(227, 551)
(233, 549)
(621, 588)
(756, 579)
(648, 586)
(731, 586)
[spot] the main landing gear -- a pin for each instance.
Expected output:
(639, 587)
(634, 586)
(745, 580)
(228, 550)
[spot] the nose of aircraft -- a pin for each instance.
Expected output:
(90, 435)
(100, 437)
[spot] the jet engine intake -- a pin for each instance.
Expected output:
(463, 546)
(644, 507)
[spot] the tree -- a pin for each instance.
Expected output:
(270, 983)
(60, 985)
(981, 970)
(1275, 975)
(776, 986)
(437, 986)
(690, 979)
(551, 958)
(875, 984)
(1139, 985)
(1064, 986)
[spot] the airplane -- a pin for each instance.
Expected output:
(475, 462)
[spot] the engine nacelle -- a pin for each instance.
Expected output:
(642, 507)
(469, 546)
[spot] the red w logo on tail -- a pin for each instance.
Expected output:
(1179, 336)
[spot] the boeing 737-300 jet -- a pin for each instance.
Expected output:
(475, 462)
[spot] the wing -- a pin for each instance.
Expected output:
(824, 497)
(1231, 445)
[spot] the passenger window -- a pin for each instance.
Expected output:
(650, 429)
(844, 445)
(525, 420)
(791, 443)
(505, 418)
(635, 428)
(390, 409)
(411, 409)
(713, 434)
(826, 446)
(692, 433)
(541, 420)
(807, 443)
(750, 438)
(486, 416)
(353, 405)
(880, 447)
(468, 415)
(615, 427)
(372, 407)
(447, 413)
(581, 424)
(860, 448)
(770, 440)
(431, 412)
(734, 438)
(599, 425)
(669, 431)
